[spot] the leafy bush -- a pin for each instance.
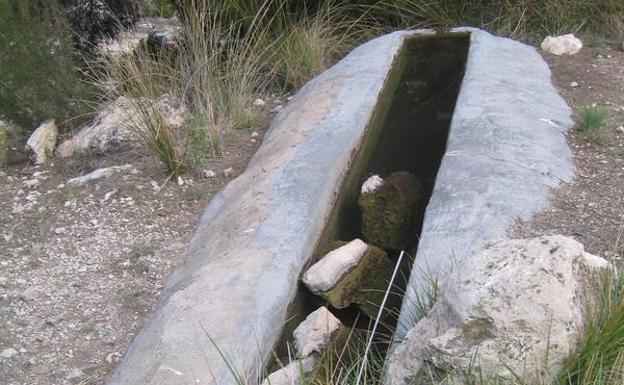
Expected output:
(39, 77)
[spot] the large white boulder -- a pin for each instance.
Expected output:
(516, 307)
(42, 141)
(560, 45)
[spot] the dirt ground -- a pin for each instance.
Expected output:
(591, 208)
(81, 268)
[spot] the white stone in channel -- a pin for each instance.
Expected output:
(372, 184)
(327, 272)
(316, 332)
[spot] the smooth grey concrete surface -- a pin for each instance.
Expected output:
(258, 232)
(506, 150)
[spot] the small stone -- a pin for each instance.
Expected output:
(253, 140)
(98, 174)
(112, 357)
(620, 129)
(294, 373)
(59, 231)
(277, 108)
(355, 273)
(180, 181)
(573, 84)
(317, 333)
(255, 134)
(372, 184)
(8, 353)
(75, 374)
(42, 141)
(560, 45)
(109, 194)
(599, 56)
(29, 294)
(259, 103)
(209, 174)
(228, 172)
(31, 183)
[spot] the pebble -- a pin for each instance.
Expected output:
(31, 183)
(8, 353)
(209, 174)
(277, 108)
(259, 103)
(59, 231)
(75, 374)
(573, 84)
(255, 134)
(228, 172)
(180, 181)
(620, 129)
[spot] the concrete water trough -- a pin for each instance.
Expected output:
(475, 117)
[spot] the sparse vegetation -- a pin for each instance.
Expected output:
(39, 78)
(592, 123)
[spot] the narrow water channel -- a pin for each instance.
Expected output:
(408, 133)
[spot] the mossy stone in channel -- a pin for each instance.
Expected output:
(389, 213)
(363, 284)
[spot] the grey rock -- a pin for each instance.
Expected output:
(98, 174)
(317, 333)
(42, 141)
(75, 374)
(115, 126)
(561, 45)
(355, 273)
(294, 373)
(8, 353)
(503, 312)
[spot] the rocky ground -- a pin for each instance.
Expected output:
(81, 267)
(591, 208)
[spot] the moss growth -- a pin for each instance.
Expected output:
(389, 215)
(365, 285)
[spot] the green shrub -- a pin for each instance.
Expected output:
(592, 123)
(39, 79)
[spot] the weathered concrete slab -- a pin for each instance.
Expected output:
(506, 150)
(256, 235)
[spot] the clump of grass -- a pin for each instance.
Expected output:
(600, 356)
(528, 20)
(592, 123)
(316, 40)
